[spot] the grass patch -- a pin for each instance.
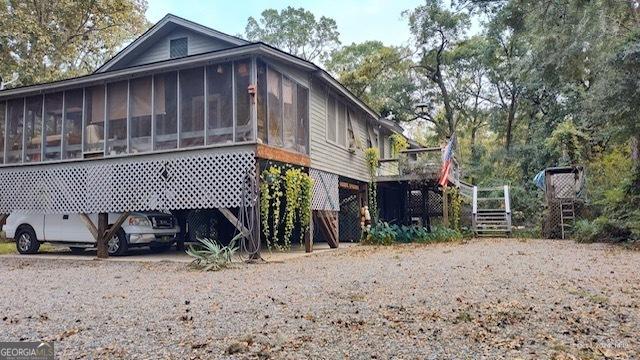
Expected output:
(7, 248)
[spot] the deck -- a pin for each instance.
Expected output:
(416, 165)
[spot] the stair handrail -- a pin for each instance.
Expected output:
(507, 208)
(474, 209)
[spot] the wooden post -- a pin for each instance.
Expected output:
(3, 218)
(308, 237)
(103, 221)
(445, 206)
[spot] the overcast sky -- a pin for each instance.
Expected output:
(358, 20)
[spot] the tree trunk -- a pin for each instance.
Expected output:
(510, 119)
(448, 110)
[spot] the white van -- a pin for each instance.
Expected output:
(155, 229)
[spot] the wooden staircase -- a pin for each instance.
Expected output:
(491, 214)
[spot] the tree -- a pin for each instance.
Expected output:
(378, 74)
(296, 31)
(46, 40)
(435, 30)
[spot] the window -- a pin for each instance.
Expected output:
(303, 119)
(289, 112)
(178, 47)
(262, 101)
(381, 141)
(117, 118)
(33, 129)
(140, 112)
(244, 127)
(3, 113)
(191, 107)
(72, 145)
(94, 119)
(53, 126)
(331, 119)
(274, 105)
(166, 111)
(351, 132)
(15, 118)
(219, 104)
(336, 121)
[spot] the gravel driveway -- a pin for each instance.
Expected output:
(482, 299)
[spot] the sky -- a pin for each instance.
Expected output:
(357, 20)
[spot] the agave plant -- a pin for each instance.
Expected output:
(208, 255)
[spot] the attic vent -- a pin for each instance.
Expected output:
(178, 48)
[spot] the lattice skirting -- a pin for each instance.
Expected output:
(325, 191)
(157, 182)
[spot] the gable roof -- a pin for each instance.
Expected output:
(166, 24)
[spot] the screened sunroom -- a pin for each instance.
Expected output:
(191, 107)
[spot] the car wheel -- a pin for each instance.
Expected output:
(117, 245)
(160, 247)
(26, 241)
(76, 250)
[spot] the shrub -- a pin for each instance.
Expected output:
(585, 231)
(602, 229)
(208, 255)
(381, 234)
(385, 234)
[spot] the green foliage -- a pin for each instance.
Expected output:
(372, 157)
(602, 229)
(568, 141)
(46, 40)
(456, 208)
(381, 234)
(379, 75)
(386, 234)
(295, 189)
(398, 144)
(296, 31)
(208, 255)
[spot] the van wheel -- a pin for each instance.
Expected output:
(26, 241)
(117, 245)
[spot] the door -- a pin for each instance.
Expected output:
(67, 228)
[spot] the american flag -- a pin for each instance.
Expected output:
(447, 159)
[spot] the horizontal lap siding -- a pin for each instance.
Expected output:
(197, 44)
(329, 157)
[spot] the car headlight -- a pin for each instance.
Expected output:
(139, 221)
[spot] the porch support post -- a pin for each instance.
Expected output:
(308, 236)
(103, 221)
(445, 206)
(3, 217)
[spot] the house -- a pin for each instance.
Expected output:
(179, 120)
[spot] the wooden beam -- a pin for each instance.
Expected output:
(106, 234)
(3, 217)
(281, 155)
(235, 222)
(308, 237)
(445, 206)
(90, 225)
(329, 226)
(350, 186)
(103, 222)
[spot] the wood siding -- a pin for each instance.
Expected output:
(330, 157)
(197, 44)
